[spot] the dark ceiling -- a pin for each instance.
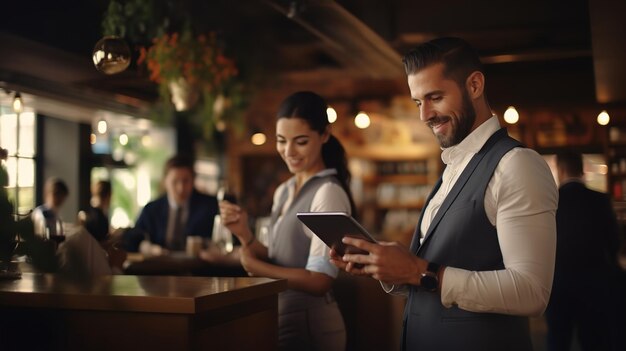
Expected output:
(535, 50)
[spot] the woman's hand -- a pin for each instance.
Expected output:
(248, 259)
(236, 220)
(212, 254)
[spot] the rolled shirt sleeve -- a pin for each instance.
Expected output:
(329, 197)
(521, 201)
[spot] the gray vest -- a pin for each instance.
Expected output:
(289, 246)
(461, 236)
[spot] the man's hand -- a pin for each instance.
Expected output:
(389, 262)
(117, 256)
(149, 249)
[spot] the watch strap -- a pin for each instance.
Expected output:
(433, 267)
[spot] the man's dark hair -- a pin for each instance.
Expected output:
(179, 161)
(96, 223)
(458, 57)
(571, 162)
(57, 187)
(102, 189)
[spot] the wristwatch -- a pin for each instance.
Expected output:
(429, 280)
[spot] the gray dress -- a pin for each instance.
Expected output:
(306, 322)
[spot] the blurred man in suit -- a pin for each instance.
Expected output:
(182, 211)
(586, 270)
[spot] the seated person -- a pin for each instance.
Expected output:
(98, 210)
(182, 211)
(46, 217)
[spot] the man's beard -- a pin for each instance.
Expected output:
(461, 126)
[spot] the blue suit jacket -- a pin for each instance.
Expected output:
(152, 222)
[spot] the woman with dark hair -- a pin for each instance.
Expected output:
(309, 318)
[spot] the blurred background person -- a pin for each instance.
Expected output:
(309, 318)
(182, 211)
(584, 293)
(46, 219)
(95, 217)
(89, 251)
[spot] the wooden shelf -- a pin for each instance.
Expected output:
(395, 189)
(420, 179)
(400, 205)
(393, 152)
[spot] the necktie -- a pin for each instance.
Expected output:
(177, 238)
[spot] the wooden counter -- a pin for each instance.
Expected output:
(181, 265)
(139, 313)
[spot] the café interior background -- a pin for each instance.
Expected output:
(558, 63)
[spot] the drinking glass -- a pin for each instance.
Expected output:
(223, 193)
(222, 237)
(262, 229)
(57, 234)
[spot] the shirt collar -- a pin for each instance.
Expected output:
(173, 205)
(472, 143)
(572, 180)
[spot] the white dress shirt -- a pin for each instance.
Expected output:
(520, 201)
(329, 197)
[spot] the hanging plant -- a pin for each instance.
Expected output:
(194, 75)
(199, 60)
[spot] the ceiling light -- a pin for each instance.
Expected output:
(123, 139)
(258, 139)
(111, 55)
(603, 118)
(332, 114)
(511, 116)
(18, 104)
(102, 126)
(362, 120)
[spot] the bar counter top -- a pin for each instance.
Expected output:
(125, 312)
(164, 294)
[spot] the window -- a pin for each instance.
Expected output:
(18, 136)
(135, 174)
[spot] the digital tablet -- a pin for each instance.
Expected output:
(331, 227)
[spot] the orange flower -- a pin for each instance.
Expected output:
(200, 60)
(142, 55)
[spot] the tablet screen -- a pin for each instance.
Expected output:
(331, 227)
